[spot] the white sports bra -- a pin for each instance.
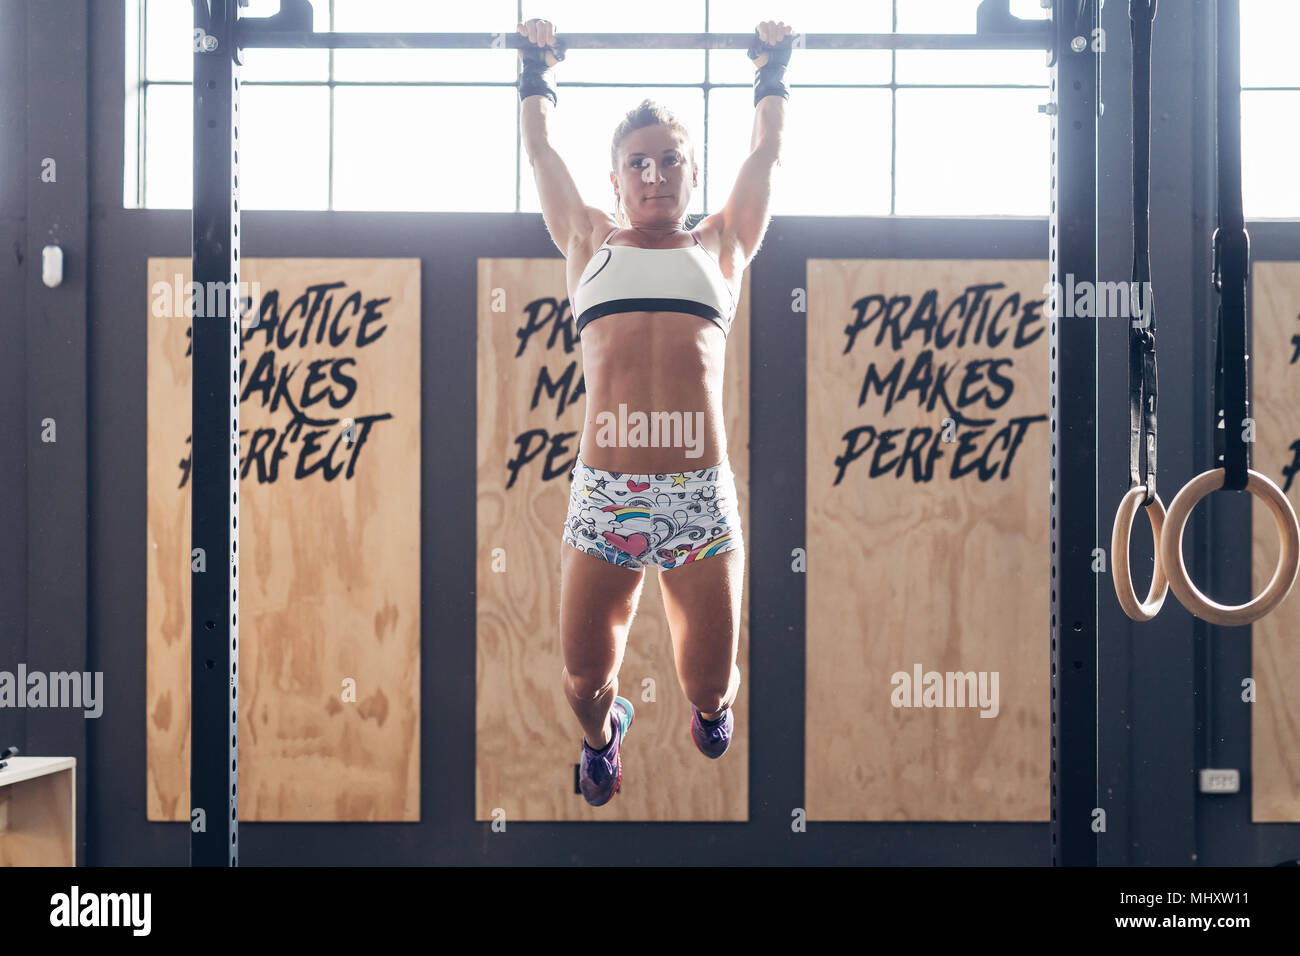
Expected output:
(632, 279)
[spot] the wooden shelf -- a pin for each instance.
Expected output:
(38, 812)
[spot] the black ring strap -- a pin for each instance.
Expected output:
(1231, 261)
(1142, 340)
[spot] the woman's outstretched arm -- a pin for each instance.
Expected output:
(745, 216)
(744, 219)
(568, 219)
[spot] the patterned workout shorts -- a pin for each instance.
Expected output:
(664, 520)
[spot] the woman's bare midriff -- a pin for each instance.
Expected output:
(665, 366)
(660, 369)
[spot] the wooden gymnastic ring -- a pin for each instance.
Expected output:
(1120, 570)
(1171, 548)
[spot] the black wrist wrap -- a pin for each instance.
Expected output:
(536, 78)
(769, 79)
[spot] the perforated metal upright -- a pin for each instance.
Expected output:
(1076, 90)
(214, 445)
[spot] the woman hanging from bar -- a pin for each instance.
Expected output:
(652, 303)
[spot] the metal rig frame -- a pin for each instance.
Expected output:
(219, 33)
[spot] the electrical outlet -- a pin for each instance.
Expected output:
(1220, 781)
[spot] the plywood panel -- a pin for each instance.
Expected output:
(1275, 350)
(528, 740)
(925, 556)
(329, 521)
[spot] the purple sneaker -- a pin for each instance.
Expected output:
(601, 773)
(711, 738)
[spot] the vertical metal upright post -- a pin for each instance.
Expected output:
(214, 445)
(1076, 88)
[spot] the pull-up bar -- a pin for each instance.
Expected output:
(292, 27)
(1037, 38)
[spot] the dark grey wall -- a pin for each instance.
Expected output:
(1154, 735)
(44, 124)
(13, 350)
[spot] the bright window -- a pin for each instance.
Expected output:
(871, 132)
(1270, 109)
